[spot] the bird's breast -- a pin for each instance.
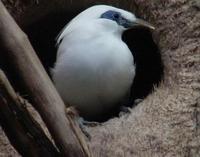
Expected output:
(93, 73)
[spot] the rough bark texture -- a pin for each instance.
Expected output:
(167, 122)
(24, 133)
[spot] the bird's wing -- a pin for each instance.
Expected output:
(60, 35)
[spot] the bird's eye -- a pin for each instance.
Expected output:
(111, 15)
(116, 16)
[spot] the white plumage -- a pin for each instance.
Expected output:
(94, 69)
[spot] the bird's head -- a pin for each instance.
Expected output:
(111, 16)
(125, 19)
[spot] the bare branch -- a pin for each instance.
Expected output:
(23, 131)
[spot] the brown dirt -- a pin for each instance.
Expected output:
(167, 122)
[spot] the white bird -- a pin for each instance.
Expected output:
(94, 69)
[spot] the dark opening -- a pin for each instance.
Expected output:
(147, 58)
(149, 69)
(42, 35)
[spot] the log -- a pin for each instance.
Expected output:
(23, 131)
(17, 49)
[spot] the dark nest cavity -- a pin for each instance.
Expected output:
(149, 68)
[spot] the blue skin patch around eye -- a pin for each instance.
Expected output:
(117, 17)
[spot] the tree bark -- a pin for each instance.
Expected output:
(23, 131)
(16, 47)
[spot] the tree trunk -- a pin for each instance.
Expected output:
(167, 122)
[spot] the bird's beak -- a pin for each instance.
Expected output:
(141, 23)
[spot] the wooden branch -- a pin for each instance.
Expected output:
(23, 131)
(45, 99)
